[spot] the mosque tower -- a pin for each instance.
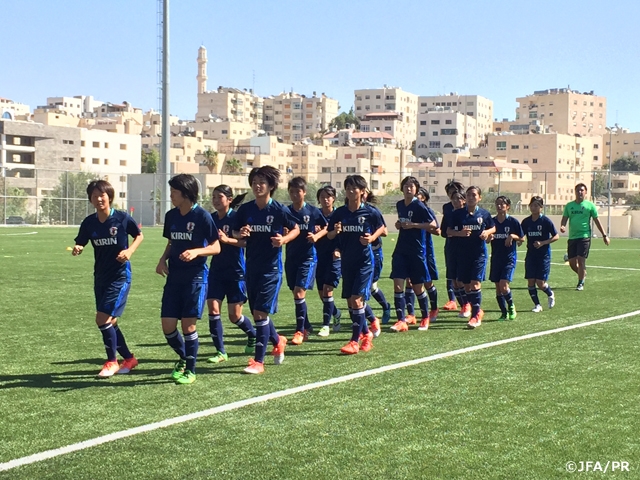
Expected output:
(202, 70)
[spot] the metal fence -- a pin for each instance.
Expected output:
(54, 197)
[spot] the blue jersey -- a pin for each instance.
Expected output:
(262, 256)
(308, 218)
(412, 241)
(510, 226)
(538, 230)
(229, 263)
(324, 246)
(377, 243)
(428, 244)
(185, 232)
(108, 240)
(477, 221)
(447, 211)
(365, 219)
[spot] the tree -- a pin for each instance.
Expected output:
(599, 183)
(210, 159)
(343, 119)
(13, 202)
(150, 161)
(634, 202)
(233, 165)
(625, 164)
(67, 203)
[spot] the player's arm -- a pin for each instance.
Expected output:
(549, 241)
(605, 237)
(314, 237)
(279, 240)
(81, 241)
(563, 224)
(227, 240)
(487, 233)
(125, 255)
(212, 249)
(162, 269)
(371, 237)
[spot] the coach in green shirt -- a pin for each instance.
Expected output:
(579, 214)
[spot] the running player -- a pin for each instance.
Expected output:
(226, 275)
(452, 257)
(108, 231)
(359, 226)
(328, 271)
(472, 225)
(504, 255)
(192, 236)
(376, 293)
(261, 222)
(579, 214)
(301, 259)
(447, 209)
(409, 256)
(540, 233)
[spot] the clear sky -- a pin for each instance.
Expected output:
(498, 49)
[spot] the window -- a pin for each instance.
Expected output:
(123, 146)
(387, 129)
(82, 159)
(106, 161)
(82, 143)
(434, 134)
(347, 156)
(424, 122)
(224, 132)
(377, 97)
(351, 169)
(123, 195)
(526, 147)
(95, 161)
(465, 173)
(432, 173)
(434, 122)
(476, 173)
(515, 160)
(338, 184)
(423, 134)
(123, 178)
(367, 97)
(339, 169)
(533, 114)
(447, 122)
(96, 144)
(123, 163)
(501, 145)
(106, 145)
(326, 169)
(67, 159)
(374, 184)
(449, 131)
(434, 145)
(515, 147)
(360, 155)
(67, 142)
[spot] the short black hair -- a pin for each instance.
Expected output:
(581, 185)
(269, 173)
(477, 189)
(504, 199)
(359, 182)
(187, 185)
(453, 185)
(536, 199)
(297, 182)
(103, 187)
(328, 190)
(425, 193)
(410, 179)
(457, 195)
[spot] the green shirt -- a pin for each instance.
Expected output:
(580, 215)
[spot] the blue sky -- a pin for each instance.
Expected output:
(498, 49)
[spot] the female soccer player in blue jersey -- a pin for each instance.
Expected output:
(409, 256)
(358, 225)
(504, 255)
(472, 226)
(540, 233)
(301, 260)
(453, 292)
(261, 222)
(452, 258)
(191, 237)
(108, 231)
(226, 275)
(328, 270)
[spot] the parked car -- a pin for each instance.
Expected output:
(14, 220)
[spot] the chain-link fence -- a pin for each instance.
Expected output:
(53, 197)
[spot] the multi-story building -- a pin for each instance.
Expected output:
(445, 131)
(293, 117)
(565, 111)
(307, 158)
(388, 109)
(625, 144)
(77, 106)
(476, 106)
(10, 110)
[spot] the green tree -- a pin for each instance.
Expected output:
(150, 161)
(599, 181)
(210, 159)
(625, 164)
(345, 118)
(233, 165)
(67, 204)
(13, 201)
(634, 202)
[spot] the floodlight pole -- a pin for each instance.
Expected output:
(609, 189)
(166, 129)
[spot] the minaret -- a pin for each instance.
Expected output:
(202, 70)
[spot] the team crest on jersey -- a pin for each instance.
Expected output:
(479, 219)
(225, 228)
(410, 214)
(361, 220)
(269, 219)
(190, 226)
(507, 229)
(306, 218)
(113, 231)
(539, 228)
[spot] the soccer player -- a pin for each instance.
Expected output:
(301, 259)
(504, 255)
(359, 226)
(191, 237)
(452, 257)
(409, 256)
(472, 225)
(453, 293)
(579, 214)
(261, 222)
(226, 275)
(378, 263)
(328, 270)
(540, 233)
(108, 231)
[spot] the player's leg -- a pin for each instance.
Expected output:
(216, 329)
(410, 300)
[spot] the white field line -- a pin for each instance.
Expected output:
(17, 234)
(594, 266)
(39, 457)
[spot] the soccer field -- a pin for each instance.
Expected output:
(521, 409)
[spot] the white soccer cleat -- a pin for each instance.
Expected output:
(552, 301)
(537, 309)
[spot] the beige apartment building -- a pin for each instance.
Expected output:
(445, 131)
(77, 106)
(476, 106)
(307, 158)
(565, 111)
(390, 110)
(292, 116)
(625, 144)
(10, 110)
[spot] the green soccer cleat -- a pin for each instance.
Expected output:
(512, 313)
(187, 378)
(219, 357)
(324, 331)
(251, 345)
(178, 369)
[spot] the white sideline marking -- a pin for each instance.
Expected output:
(38, 457)
(17, 234)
